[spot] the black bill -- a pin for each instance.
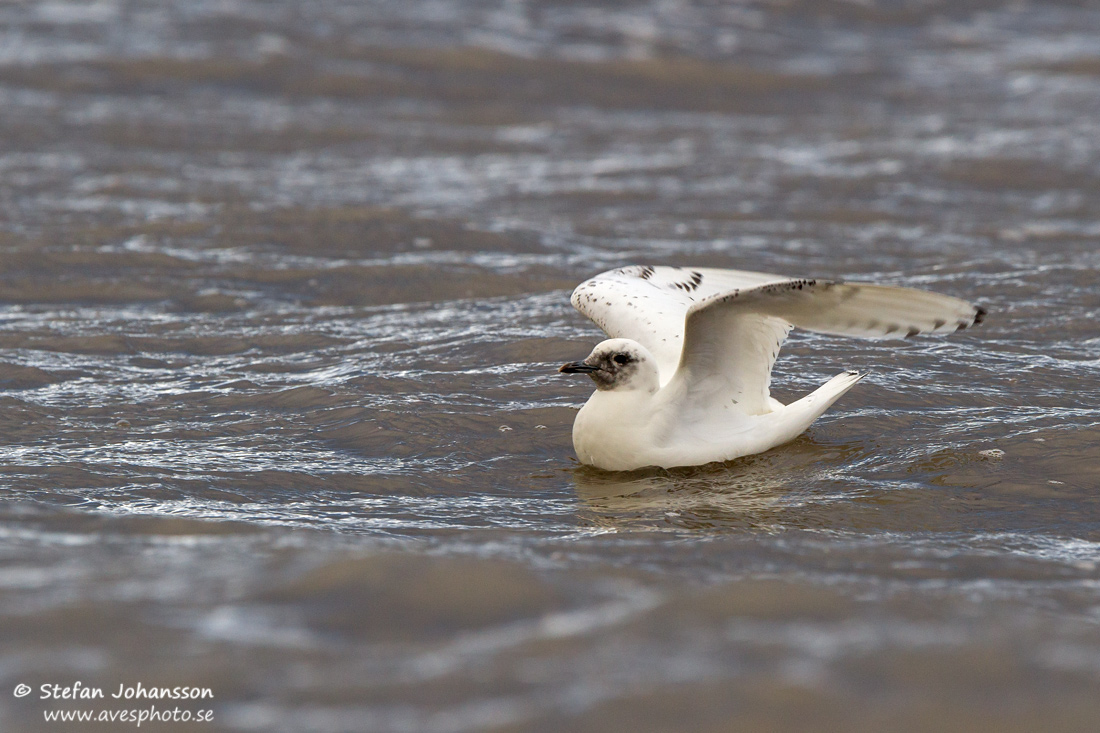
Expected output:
(577, 367)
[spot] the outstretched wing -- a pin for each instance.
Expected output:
(731, 339)
(649, 304)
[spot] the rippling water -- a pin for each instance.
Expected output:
(283, 287)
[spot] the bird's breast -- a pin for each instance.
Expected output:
(615, 430)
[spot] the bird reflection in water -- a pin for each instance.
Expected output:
(769, 491)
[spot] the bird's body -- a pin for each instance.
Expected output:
(621, 431)
(684, 379)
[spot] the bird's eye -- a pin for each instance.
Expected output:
(621, 359)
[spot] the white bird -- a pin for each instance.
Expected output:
(684, 378)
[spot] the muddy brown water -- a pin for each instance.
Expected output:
(283, 287)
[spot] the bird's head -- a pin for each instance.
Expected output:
(618, 364)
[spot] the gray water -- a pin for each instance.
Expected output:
(283, 290)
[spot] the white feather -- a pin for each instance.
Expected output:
(649, 304)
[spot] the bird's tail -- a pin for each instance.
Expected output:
(799, 414)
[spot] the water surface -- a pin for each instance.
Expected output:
(284, 287)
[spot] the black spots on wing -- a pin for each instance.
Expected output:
(979, 316)
(786, 286)
(800, 284)
(893, 328)
(911, 332)
(691, 284)
(939, 323)
(732, 295)
(646, 273)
